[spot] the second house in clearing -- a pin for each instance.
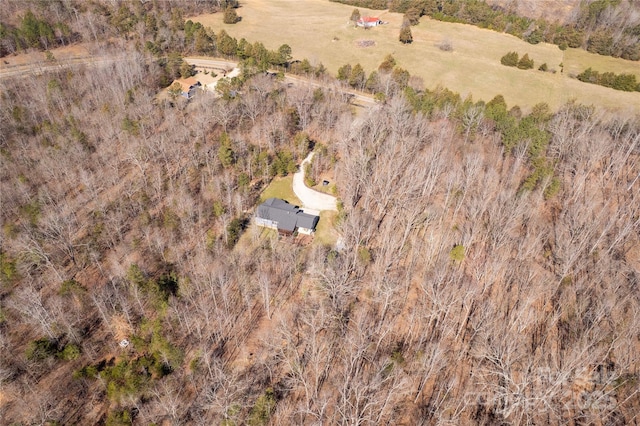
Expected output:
(286, 218)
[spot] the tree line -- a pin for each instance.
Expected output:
(34, 32)
(626, 82)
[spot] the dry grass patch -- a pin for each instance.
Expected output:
(321, 32)
(63, 53)
(121, 328)
(578, 60)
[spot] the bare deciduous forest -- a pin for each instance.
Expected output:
(488, 269)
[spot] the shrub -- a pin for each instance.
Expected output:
(127, 378)
(543, 67)
(388, 64)
(86, 372)
(41, 349)
(234, 230)
(445, 45)
(364, 255)
(243, 180)
(119, 418)
(230, 16)
(31, 211)
(308, 178)
(71, 287)
(457, 253)
(261, 411)
(510, 59)
(525, 63)
(552, 189)
(8, 269)
(218, 208)
(70, 352)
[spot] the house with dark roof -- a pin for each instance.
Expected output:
(285, 218)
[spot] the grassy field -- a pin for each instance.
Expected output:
(326, 233)
(320, 31)
(578, 60)
(281, 188)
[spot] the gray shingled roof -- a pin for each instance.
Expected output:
(306, 220)
(288, 216)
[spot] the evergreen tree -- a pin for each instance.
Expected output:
(372, 82)
(344, 72)
(357, 77)
(355, 16)
(405, 35)
(510, 59)
(525, 63)
(230, 16)
(401, 77)
(388, 64)
(245, 49)
(186, 70)
(225, 152)
(227, 45)
(282, 56)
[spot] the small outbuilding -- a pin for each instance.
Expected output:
(369, 21)
(285, 218)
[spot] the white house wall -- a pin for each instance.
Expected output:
(266, 223)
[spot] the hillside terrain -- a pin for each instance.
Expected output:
(485, 268)
(472, 67)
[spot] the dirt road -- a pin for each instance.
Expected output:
(358, 98)
(310, 198)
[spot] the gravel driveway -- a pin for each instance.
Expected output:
(310, 198)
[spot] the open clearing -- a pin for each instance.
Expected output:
(281, 187)
(320, 31)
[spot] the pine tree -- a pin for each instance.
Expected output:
(405, 35)
(357, 77)
(230, 16)
(525, 63)
(510, 59)
(388, 64)
(344, 72)
(355, 16)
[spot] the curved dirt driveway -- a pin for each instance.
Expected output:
(310, 198)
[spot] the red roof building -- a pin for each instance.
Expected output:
(369, 21)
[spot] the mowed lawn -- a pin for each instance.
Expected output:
(320, 31)
(281, 187)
